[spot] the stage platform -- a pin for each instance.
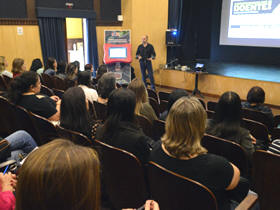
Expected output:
(222, 77)
(244, 71)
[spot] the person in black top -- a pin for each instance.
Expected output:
(145, 53)
(24, 91)
(255, 101)
(120, 130)
(180, 151)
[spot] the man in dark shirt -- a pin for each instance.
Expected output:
(145, 53)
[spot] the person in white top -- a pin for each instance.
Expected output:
(84, 82)
(3, 66)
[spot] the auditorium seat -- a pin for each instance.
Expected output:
(59, 83)
(7, 79)
(266, 173)
(158, 129)
(3, 85)
(163, 95)
(101, 111)
(275, 133)
(74, 136)
(152, 94)
(163, 105)
(202, 103)
(45, 129)
(276, 120)
(230, 150)
(145, 124)
(46, 91)
(258, 130)
(211, 105)
(257, 116)
(47, 80)
(155, 105)
(173, 191)
(58, 92)
(123, 177)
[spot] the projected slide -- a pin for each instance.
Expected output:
(250, 23)
(254, 19)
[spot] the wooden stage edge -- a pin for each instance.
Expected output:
(215, 85)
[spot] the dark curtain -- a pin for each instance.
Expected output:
(53, 38)
(193, 21)
(175, 10)
(92, 43)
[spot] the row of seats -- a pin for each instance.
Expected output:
(172, 191)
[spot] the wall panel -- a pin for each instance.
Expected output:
(26, 46)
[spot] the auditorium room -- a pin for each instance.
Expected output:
(139, 104)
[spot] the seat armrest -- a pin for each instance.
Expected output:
(248, 202)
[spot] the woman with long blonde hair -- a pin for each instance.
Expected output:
(59, 175)
(143, 106)
(181, 151)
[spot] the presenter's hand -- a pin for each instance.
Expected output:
(139, 57)
(149, 59)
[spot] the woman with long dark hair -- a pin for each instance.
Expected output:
(120, 130)
(36, 66)
(24, 91)
(74, 113)
(226, 122)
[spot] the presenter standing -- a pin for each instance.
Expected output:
(146, 53)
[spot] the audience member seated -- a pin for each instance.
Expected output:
(18, 67)
(21, 144)
(24, 91)
(84, 80)
(226, 123)
(143, 106)
(106, 84)
(173, 97)
(71, 72)
(102, 69)
(59, 176)
(255, 101)
(181, 152)
(74, 113)
(51, 66)
(89, 67)
(61, 66)
(3, 66)
(37, 66)
(275, 147)
(77, 64)
(119, 129)
(7, 187)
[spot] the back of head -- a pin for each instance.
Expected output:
(228, 109)
(102, 69)
(71, 70)
(174, 96)
(106, 84)
(50, 63)
(2, 63)
(77, 64)
(17, 65)
(256, 95)
(36, 64)
(73, 111)
(88, 67)
(185, 127)
(59, 175)
(121, 106)
(61, 66)
(138, 87)
(21, 84)
(84, 78)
